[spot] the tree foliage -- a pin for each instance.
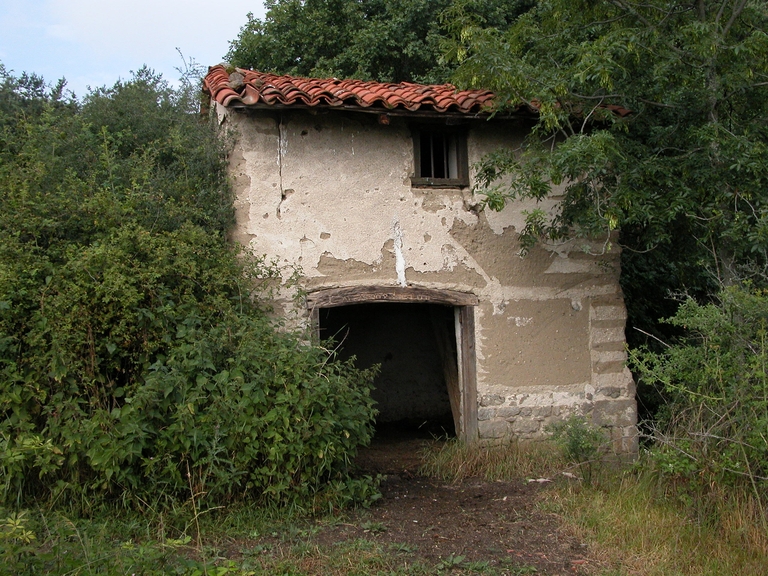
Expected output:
(653, 119)
(136, 361)
(660, 114)
(384, 40)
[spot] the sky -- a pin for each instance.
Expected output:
(98, 42)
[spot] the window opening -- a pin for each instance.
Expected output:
(439, 155)
(440, 158)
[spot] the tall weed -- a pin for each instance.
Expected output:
(711, 438)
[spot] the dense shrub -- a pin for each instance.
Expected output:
(136, 362)
(712, 431)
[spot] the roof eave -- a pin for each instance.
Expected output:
(390, 112)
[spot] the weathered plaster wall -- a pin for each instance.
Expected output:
(330, 193)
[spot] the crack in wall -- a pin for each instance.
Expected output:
(282, 146)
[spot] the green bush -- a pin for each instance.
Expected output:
(580, 441)
(136, 361)
(712, 431)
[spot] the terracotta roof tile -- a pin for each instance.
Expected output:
(270, 89)
(250, 88)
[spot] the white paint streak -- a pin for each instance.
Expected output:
(282, 143)
(397, 235)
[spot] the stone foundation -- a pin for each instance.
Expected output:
(607, 400)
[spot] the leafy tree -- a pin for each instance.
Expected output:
(660, 114)
(384, 40)
(136, 361)
(653, 116)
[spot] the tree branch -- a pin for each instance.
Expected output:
(720, 12)
(585, 97)
(626, 8)
(588, 116)
(652, 336)
(701, 9)
(737, 10)
(659, 104)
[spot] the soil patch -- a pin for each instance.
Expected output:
(471, 527)
(494, 522)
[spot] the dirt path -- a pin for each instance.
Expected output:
(434, 527)
(498, 523)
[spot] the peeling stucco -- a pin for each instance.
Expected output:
(331, 193)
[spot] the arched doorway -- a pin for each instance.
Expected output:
(424, 341)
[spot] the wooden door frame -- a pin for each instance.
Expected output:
(464, 321)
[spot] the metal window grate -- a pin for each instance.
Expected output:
(438, 155)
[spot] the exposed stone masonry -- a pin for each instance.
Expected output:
(607, 400)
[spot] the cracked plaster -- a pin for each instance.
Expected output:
(331, 193)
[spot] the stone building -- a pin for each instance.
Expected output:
(366, 189)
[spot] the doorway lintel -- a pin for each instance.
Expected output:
(332, 297)
(464, 307)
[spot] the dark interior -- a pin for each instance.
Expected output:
(415, 345)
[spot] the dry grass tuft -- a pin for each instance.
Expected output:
(635, 522)
(636, 530)
(454, 461)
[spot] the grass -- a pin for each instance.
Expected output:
(245, 541)
(633, 522)
(454, 461)
(635, 529)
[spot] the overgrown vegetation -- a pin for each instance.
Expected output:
(138, 366)
(582, 443)
(635, 526)
(246, 542)
(383, 40)
(634, 520)
(711, 437)
(631, 522)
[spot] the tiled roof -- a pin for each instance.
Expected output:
(250, 88)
